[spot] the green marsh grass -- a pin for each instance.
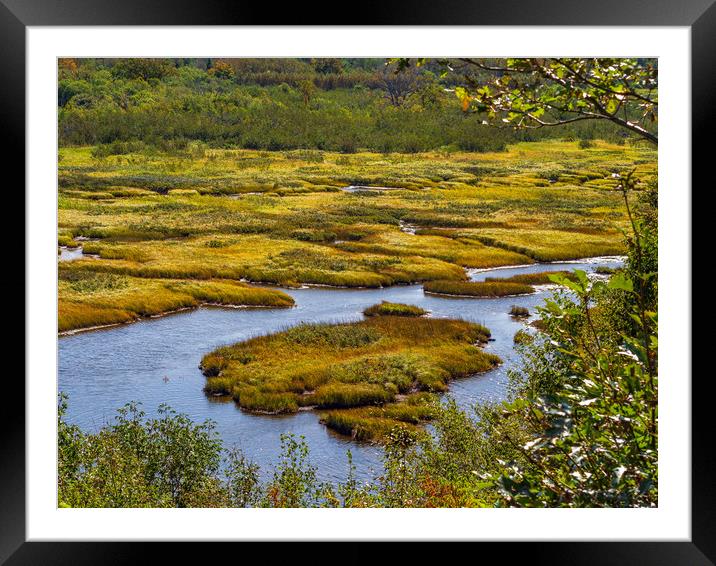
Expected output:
(394, 309)
(380, 362)
(88, 298)
(542, 278)
(477, 288)
(164, 216)
(67, 241)
(523, 337)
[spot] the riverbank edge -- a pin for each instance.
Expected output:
(468, 271)
(168, 313)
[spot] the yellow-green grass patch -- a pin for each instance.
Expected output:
(394, 309)
(88, 298)
(541, 278)
(477, 288)
(375, 423)
(339, 366)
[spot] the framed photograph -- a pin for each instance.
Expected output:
(395, 281)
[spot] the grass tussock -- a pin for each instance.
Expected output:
(394, 309)
(375, 423)
(477, 288)
(523, 337)
(373, 363)
(67, 241)
(542, 278)
(519, 312)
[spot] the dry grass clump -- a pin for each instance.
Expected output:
(370, 363)
(477, 288)
(88, 298)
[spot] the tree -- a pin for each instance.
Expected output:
(328, 66)
(142, 68)
(307, 90)
(222, 70)
(541, 92)
(67, 64)
(398, 84)
(429, 92)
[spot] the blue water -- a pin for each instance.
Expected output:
(156, 361)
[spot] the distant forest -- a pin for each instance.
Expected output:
(344, 105)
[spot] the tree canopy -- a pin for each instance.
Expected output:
(539, 92)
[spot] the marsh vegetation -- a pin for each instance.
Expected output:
(193, 183)
(95, 298)
(477, 288)
(156, 217)
(383, 361)
(519, 312)
(394, 309)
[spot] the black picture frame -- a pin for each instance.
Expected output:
(699, 15)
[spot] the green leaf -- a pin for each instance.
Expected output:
(620, 281)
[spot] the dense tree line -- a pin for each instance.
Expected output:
(273, 104)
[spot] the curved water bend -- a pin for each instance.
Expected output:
(156, 361)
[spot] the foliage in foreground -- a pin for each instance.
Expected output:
(542, 92)
(587, 396)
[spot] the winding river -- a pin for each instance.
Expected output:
(156, 361)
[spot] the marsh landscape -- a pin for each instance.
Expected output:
(320, 261)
